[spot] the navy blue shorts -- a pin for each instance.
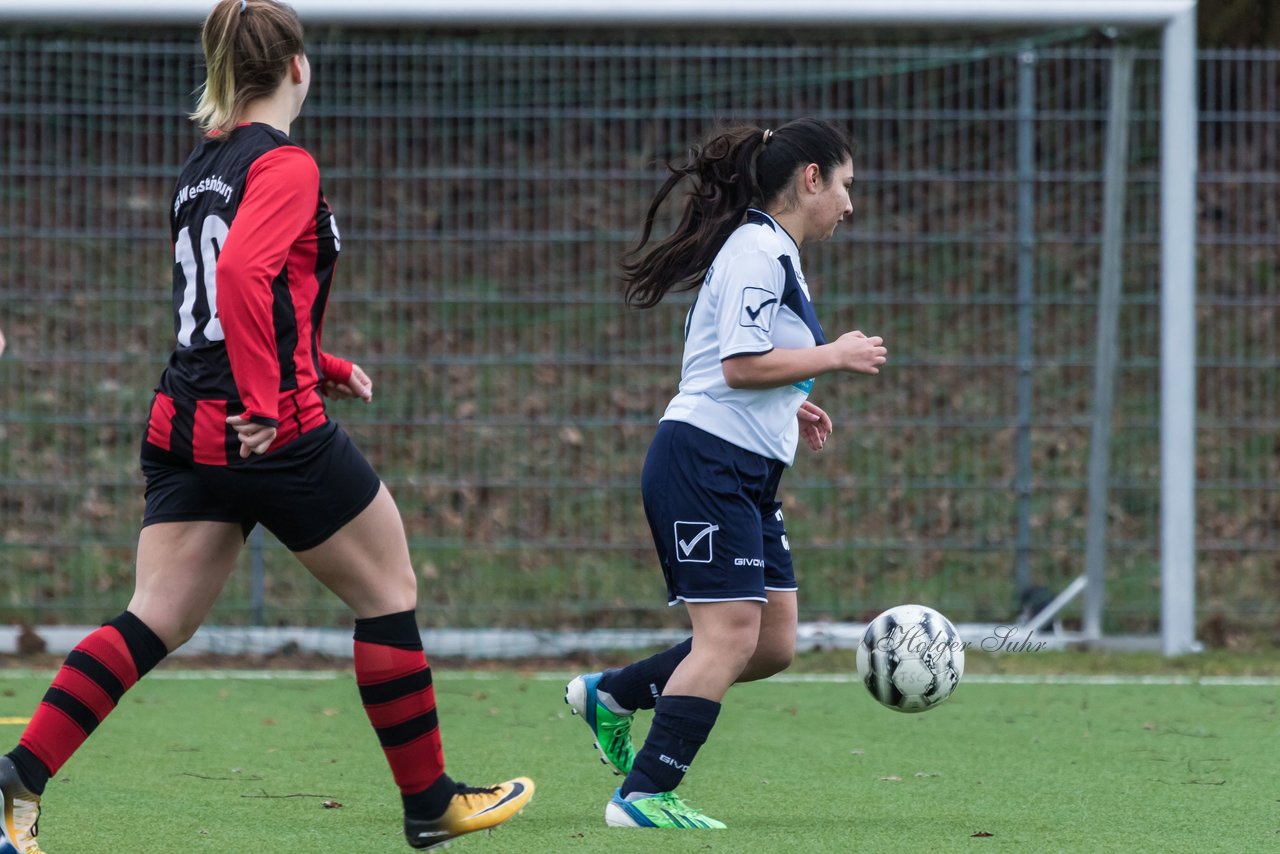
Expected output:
(714, 517)
(303, 494)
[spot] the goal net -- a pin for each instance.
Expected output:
(486, 181)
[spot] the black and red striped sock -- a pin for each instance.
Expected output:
(395, 688)
(91, 682)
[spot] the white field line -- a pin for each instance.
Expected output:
(484, 675)
(972, 679)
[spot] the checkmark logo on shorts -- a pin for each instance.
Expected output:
(758, 308)
(693, 541)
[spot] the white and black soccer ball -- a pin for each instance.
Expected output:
(911, 658)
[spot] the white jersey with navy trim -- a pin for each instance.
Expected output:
(753, 299)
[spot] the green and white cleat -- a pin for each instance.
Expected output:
(610, 726)
(664, 809)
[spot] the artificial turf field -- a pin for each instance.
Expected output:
(195, 761)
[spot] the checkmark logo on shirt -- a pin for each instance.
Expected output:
(753, 313)
(758, 308)
(693, 541)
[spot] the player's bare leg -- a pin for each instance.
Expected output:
(776, 646)
(367, 565)
(725, 635)
(181, 569)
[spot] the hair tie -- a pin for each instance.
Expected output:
(768, 134)
(244, 6)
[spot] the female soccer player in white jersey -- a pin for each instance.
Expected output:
(753, 347)
(238, 435)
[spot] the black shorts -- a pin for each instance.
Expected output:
(714, 516)
(302, 493)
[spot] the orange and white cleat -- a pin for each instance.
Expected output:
(472, 808)
(21, 813)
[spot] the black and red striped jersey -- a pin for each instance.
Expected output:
(254, 247)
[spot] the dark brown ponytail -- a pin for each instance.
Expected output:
(733, 170)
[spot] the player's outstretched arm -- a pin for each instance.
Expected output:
(853, 352)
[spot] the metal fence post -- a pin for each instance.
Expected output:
(1026, 286)
(258, 577)
(1115, 172)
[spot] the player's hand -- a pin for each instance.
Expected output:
(357, 385)
(815, 425)
(254, 438)
(860, 354)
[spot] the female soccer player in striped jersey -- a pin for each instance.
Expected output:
(753, 347)
(238, 435)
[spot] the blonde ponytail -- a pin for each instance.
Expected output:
(247, 47)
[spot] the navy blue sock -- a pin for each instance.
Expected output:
(680, 726)
(639, 685)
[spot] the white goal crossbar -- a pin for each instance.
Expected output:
(644, 13)
(1174, 18)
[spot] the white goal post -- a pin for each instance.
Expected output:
(1175, 19)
